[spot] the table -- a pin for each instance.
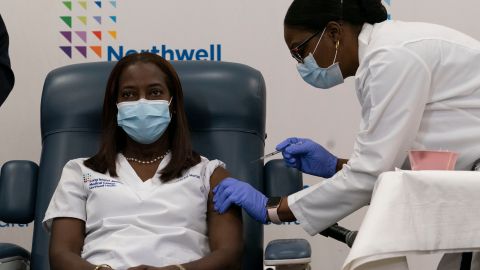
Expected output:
(417, 212)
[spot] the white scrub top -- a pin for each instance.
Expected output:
(129, 222)
(419, 88)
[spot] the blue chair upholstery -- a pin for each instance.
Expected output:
(13, 257)
(18, 181)
(284, 251)
(282, 181)
(225, 105)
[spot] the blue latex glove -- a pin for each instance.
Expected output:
(232, 191)
(308, 156)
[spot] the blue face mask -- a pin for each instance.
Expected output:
(144, 120)
(317, 76)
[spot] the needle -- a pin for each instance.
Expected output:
(272, 153)
(267, 155)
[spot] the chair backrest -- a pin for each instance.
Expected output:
(225, 105)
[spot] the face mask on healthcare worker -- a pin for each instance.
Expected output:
(144, 120)
(317, 76)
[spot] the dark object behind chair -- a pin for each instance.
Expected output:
(7, 79)
(225, 105)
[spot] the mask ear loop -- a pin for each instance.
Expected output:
(336, 51)
(318, 42)
(171, 114)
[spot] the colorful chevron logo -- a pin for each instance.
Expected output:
(87, 27)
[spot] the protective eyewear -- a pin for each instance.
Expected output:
(295, 52)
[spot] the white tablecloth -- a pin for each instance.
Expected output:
(419, 212)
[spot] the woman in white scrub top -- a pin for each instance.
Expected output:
(419, 88)
(144, 200)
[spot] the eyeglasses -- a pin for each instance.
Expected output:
(295, 52)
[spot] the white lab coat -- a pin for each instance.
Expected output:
(129, 222)
(419, 88)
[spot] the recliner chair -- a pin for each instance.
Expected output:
(225, 105)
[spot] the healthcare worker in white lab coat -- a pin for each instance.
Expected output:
(419, 88)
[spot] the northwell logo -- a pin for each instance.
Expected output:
(89, 31)
(212, 53)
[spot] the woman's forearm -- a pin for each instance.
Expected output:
(66, 243)
(340, 163)
(69, 260)
(284, 212)
(222, 259)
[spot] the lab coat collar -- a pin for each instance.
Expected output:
(363, 40)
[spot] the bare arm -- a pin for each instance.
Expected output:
(66, 243)
(340, 163)
(224, 232)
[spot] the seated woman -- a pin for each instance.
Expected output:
(144, 201)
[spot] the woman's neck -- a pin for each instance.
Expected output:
(147, 151)
(349, 60)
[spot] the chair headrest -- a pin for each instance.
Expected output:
(218, 95)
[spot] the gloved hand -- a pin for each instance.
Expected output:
(231, 190)
(308, 156)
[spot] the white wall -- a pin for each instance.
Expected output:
(248, 32)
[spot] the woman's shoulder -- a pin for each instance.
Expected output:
(75, 164)
(204, 161)
(206, 166)
(76, 161)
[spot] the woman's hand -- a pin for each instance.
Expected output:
(308, 156)
(232, 191)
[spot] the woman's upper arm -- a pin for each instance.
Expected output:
(225, 230)
(67, 234)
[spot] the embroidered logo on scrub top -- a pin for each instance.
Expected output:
(188, 175)
(99, 182)
(87, 177)
(195, 176)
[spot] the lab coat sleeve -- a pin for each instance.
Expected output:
(69, 199)
(394, 84)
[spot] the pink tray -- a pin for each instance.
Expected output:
(432, 160)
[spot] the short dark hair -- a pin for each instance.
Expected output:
(113, 138)
(315, 14)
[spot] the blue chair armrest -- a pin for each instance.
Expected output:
(281, 180)
(11, 251)
(288, 251)
(18, 184)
